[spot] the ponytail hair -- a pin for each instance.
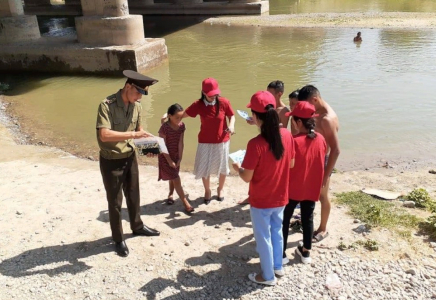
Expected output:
(309, 124)
(217, 103)
(270, 130)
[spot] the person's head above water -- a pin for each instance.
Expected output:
(359, 33)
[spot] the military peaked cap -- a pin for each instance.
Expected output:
(139, 80)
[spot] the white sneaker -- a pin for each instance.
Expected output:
(304, 255)
(285, 261)
(279, 273)
(252, 277)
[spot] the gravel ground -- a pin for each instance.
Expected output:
(55, 239)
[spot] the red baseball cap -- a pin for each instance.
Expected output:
(304, 110)
(260, 100)
(210, 87)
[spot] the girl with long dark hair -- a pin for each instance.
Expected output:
(266, 167)
(306, 177)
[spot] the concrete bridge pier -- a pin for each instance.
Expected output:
(15, 26)
(108, 22)
(109, 40)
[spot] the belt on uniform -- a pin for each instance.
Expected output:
(117, 155)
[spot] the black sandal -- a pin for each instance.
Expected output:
(170, 201)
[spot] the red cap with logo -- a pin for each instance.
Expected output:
(304, 110)
(260, 100)
(210, 87)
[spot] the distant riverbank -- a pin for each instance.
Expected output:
(344, 20)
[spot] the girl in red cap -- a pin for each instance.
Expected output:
(305, 180)
(266, 167)
(214, 137)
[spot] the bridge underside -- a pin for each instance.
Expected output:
(150, 7)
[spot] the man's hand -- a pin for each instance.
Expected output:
(141, 134)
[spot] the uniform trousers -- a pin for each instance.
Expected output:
(122, 175)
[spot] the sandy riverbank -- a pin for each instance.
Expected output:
(55, 235)
(354, 20)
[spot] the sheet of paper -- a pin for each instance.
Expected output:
(238, 156)
(162, 146)
(152, 140)
(244, 114)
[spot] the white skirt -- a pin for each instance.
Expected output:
(212, 159)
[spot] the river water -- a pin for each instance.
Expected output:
(383, 90)
(338, 6)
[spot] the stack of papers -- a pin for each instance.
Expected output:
(153, 143)
(238, 156)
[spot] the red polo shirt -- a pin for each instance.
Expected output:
(213, 128)
(306, 176)
(269, 185)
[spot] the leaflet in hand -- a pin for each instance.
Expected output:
(244, 114)
(151, 144)
(238, 156)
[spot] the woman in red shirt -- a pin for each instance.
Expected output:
(266, 167)
(214, 137)
(305, 180)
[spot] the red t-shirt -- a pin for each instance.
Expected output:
(269, 185)
(306, 176)
(213, 128)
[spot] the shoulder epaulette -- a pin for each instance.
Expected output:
(111, 99)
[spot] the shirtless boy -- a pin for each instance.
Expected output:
(277, 88)
(327, 124)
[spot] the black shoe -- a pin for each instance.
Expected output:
(121, 248)
(304, 255)
(146, 231)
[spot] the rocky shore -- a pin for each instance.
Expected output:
(409, 20)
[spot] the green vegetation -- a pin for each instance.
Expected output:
(375, 212)
(421, 198)
(429, 226)
(368, 244)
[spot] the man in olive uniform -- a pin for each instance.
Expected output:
(118, 123)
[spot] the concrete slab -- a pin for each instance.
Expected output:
(65, 55)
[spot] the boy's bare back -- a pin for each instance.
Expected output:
(327, 124)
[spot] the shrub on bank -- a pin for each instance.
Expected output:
(422, 199)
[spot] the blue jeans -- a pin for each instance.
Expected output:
(267, 229)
